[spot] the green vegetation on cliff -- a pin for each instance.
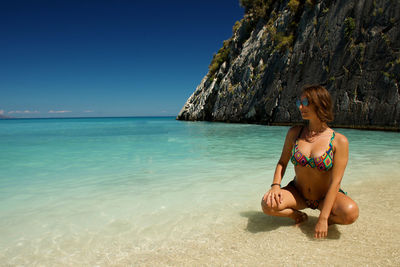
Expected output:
(260, 13)
(219, 58)
(254, 11)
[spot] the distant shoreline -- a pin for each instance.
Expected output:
(116, 117)
(355, 127)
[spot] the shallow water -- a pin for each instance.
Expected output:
(122, 190)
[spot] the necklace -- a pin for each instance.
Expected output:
(312, 136)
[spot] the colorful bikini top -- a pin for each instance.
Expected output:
(322, 163)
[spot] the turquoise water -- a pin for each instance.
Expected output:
(68, 185)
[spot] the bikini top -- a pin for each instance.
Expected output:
(322, 163)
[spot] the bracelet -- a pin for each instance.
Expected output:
(275, 184)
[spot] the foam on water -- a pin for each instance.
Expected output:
(74, 190)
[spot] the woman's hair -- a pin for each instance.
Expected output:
(321, 98)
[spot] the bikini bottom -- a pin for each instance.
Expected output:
(312, 204)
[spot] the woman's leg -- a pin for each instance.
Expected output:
(292, 202)
(344, 210)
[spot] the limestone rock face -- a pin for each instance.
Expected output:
(352, 47)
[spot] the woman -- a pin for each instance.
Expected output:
(320, 156)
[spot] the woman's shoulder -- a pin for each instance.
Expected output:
(340, 139)
(295, 128)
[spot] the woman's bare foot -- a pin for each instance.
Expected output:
(299, 217)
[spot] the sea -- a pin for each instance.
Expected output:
(105, 191)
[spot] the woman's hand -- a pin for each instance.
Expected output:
(321, 228)
(273, 197)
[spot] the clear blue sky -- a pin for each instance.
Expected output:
(66, 58)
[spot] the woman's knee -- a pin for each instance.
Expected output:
(351, 213)
(268, 209)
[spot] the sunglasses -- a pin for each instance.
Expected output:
(303, 102)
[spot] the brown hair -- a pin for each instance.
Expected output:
(321, 98)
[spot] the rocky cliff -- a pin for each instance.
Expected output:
(352, 47)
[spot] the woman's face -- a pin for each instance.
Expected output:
(306, 109)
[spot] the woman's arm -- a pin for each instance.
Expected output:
(274, 196)
(340, 161)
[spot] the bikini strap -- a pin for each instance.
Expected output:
(333, 136)
(300, 132)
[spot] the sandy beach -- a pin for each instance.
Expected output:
(254, 239)
(259, 240)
